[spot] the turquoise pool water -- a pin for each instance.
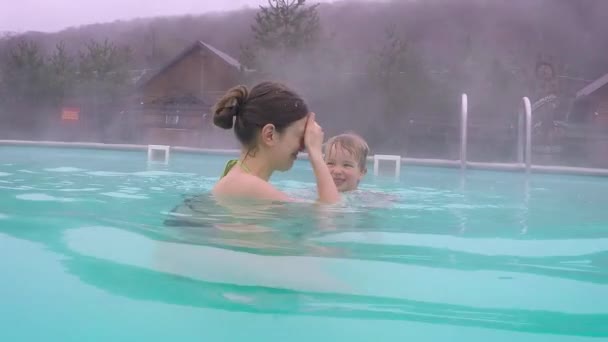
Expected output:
(86, 255)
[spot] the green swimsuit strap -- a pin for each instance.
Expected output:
(230, 164)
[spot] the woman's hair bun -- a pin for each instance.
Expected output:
(230, 106)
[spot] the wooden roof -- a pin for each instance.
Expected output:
(593, 87)
(197, 46)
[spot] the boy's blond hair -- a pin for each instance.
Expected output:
(351, 142)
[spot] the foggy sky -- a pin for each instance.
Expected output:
(54, 15)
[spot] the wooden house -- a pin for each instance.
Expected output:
(587, 124)
(173, 103)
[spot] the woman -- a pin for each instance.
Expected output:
(272, 124)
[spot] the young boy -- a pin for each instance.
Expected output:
(346, 157)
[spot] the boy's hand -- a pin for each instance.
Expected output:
(313, 135)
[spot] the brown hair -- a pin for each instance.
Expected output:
(352, 143)
(249, 110)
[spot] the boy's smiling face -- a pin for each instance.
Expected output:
(344, 168)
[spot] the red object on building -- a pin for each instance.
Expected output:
(70, 114)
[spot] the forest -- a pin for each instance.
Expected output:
(392, 71)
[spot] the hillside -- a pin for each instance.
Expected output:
(514, 31)
(489, 49)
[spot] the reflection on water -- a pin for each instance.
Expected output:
(347, 286)
(501, 252)
(270, 227)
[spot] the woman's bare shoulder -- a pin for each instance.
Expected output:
(246, 185)
(234, 183)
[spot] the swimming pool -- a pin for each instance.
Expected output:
(85, 255)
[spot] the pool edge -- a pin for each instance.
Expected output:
(445, 163)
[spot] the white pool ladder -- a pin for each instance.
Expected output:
(162, 150)
(387, 157)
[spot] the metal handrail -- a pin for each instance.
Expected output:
(528, 141)
(464, 113)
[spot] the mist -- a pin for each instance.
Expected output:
(392, 71)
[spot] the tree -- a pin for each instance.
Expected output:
(398, 74)
(29, 90)
(103, 78)
(33, 79)
(103, 72)
(61, 74)
(404, 90)
(23, 73)
(247, 56)
(104, 62)
(286, 24)
(281, 30)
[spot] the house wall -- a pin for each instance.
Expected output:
(602, 104)
(217, 76)
(184, 77)
(185, 132)
(173, 137)
(187, 120)
(597, 148)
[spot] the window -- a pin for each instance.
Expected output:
(171, 120)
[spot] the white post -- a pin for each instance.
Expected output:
(528, 113)
(376, 160)
(398, 168)
(162, 148)
(464, 109)
(521, 128)
(386, 157)
(526, 211)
